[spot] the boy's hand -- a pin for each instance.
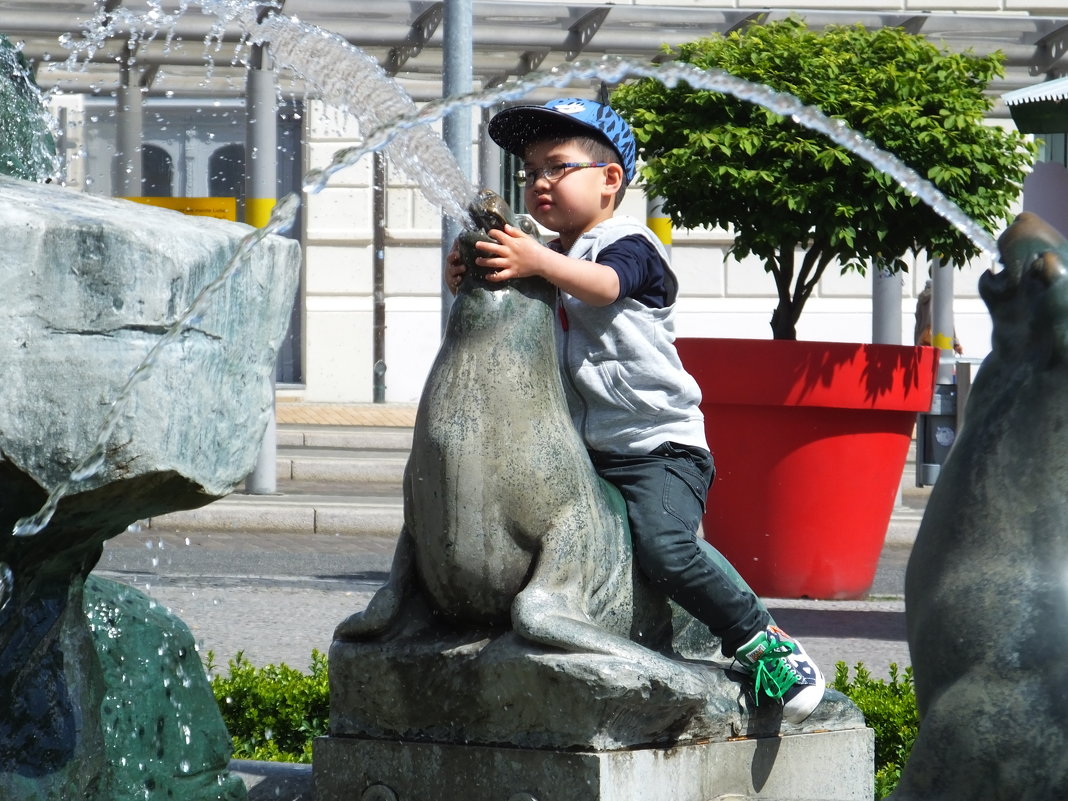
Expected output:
(454, 268)
(512, 254)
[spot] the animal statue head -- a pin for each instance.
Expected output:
(489, 211)
(1028, 298)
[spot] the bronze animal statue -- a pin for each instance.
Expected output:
(986, 589)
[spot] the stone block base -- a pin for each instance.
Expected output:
(825, 766)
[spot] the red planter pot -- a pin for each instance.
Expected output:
(810, 440)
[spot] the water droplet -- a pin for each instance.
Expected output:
(7, 584)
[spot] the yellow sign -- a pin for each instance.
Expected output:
(223, 208)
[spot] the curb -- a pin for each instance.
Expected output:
(283, 515)
(346, 479)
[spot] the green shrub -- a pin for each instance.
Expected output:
(890, 711)
(275, 712)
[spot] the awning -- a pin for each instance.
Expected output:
(1041, 108)
(509, 37)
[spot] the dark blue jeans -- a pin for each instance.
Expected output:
(665, 493)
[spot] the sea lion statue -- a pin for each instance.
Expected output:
(986, 590)
(515, 554)
(500, 497)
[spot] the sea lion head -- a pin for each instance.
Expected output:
(1028, 298)
(489, 210)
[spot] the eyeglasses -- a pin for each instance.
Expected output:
(552, 173)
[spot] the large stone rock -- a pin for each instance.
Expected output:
(91, 287)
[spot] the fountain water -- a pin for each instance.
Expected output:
(27, 147)
(346, 77)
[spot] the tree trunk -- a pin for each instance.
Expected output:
(782, 321)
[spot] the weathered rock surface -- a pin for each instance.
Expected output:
(90, 286)
(492, 688)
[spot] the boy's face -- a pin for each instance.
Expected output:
(579, 199)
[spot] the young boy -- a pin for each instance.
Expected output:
(631, 400)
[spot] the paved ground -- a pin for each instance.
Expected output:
(400, 415)
(276, 597)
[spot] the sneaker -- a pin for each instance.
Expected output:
(782, 670)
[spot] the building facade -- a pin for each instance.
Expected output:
(368, 320)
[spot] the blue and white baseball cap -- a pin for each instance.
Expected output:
(516, 127)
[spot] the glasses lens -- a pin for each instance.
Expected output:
(554, 171)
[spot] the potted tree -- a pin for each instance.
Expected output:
(800, 511)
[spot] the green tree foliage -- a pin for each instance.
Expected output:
(782, 188)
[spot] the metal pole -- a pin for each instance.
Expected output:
(130, 117)
(937, 431)
(261, 184)
(885, 305)
(261, 180)
(458, 57)
(489, 156)
(942, 328)
(378, 200)
(886, 288)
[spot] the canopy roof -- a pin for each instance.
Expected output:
(1041, 108)
(510, 38)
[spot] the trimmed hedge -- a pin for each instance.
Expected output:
(272, 713)
(889, 709)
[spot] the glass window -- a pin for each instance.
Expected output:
(226, 171)
(1053, 147)
(157, 172)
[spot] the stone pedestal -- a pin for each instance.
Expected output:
(824, 766)
(467, 716)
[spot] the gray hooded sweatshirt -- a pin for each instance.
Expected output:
(626, 387)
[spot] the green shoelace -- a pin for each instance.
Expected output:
(772, 674)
